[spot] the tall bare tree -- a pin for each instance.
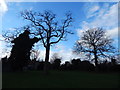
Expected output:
(46, 26)
(95, 42)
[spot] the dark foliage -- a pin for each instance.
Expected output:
(5, 65)
(56, 64)
(77, 64)
(109, 66)
(40, 66)
(74, 65)
(20, 53)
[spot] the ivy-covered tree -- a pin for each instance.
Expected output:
(20, 53)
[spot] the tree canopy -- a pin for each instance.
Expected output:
(95, 42)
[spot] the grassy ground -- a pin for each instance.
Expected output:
(63, 79)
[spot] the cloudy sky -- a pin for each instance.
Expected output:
(86, 15)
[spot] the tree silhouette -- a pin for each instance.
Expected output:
(47, 27)
(94, 42)
(20, 53)
(75, 64)
(56, 64)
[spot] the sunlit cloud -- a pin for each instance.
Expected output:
(3, 7)
(113, 32)
(92, 11)
(3, 50)
(106, 17)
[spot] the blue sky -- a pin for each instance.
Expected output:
(86, 15)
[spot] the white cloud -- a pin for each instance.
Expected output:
(66, 54)
(92, 11)
(80, 32)
(12, 29)
(59, 46)
(42, 54)
(113, 32)
(106, 17)
(1, 41)
(3, 7)
(3, 50)
(1, 46)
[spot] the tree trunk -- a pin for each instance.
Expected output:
(46, 68)
(96, 61)
(95, 56)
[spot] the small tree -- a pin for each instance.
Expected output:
(46, 26)
(94, 42)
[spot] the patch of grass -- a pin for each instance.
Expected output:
(60, 79)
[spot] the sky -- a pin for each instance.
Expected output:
(86, 15)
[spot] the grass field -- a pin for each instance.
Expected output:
(60, 79)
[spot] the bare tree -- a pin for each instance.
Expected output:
(95, 42)
(46, 26)
(35, 54)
